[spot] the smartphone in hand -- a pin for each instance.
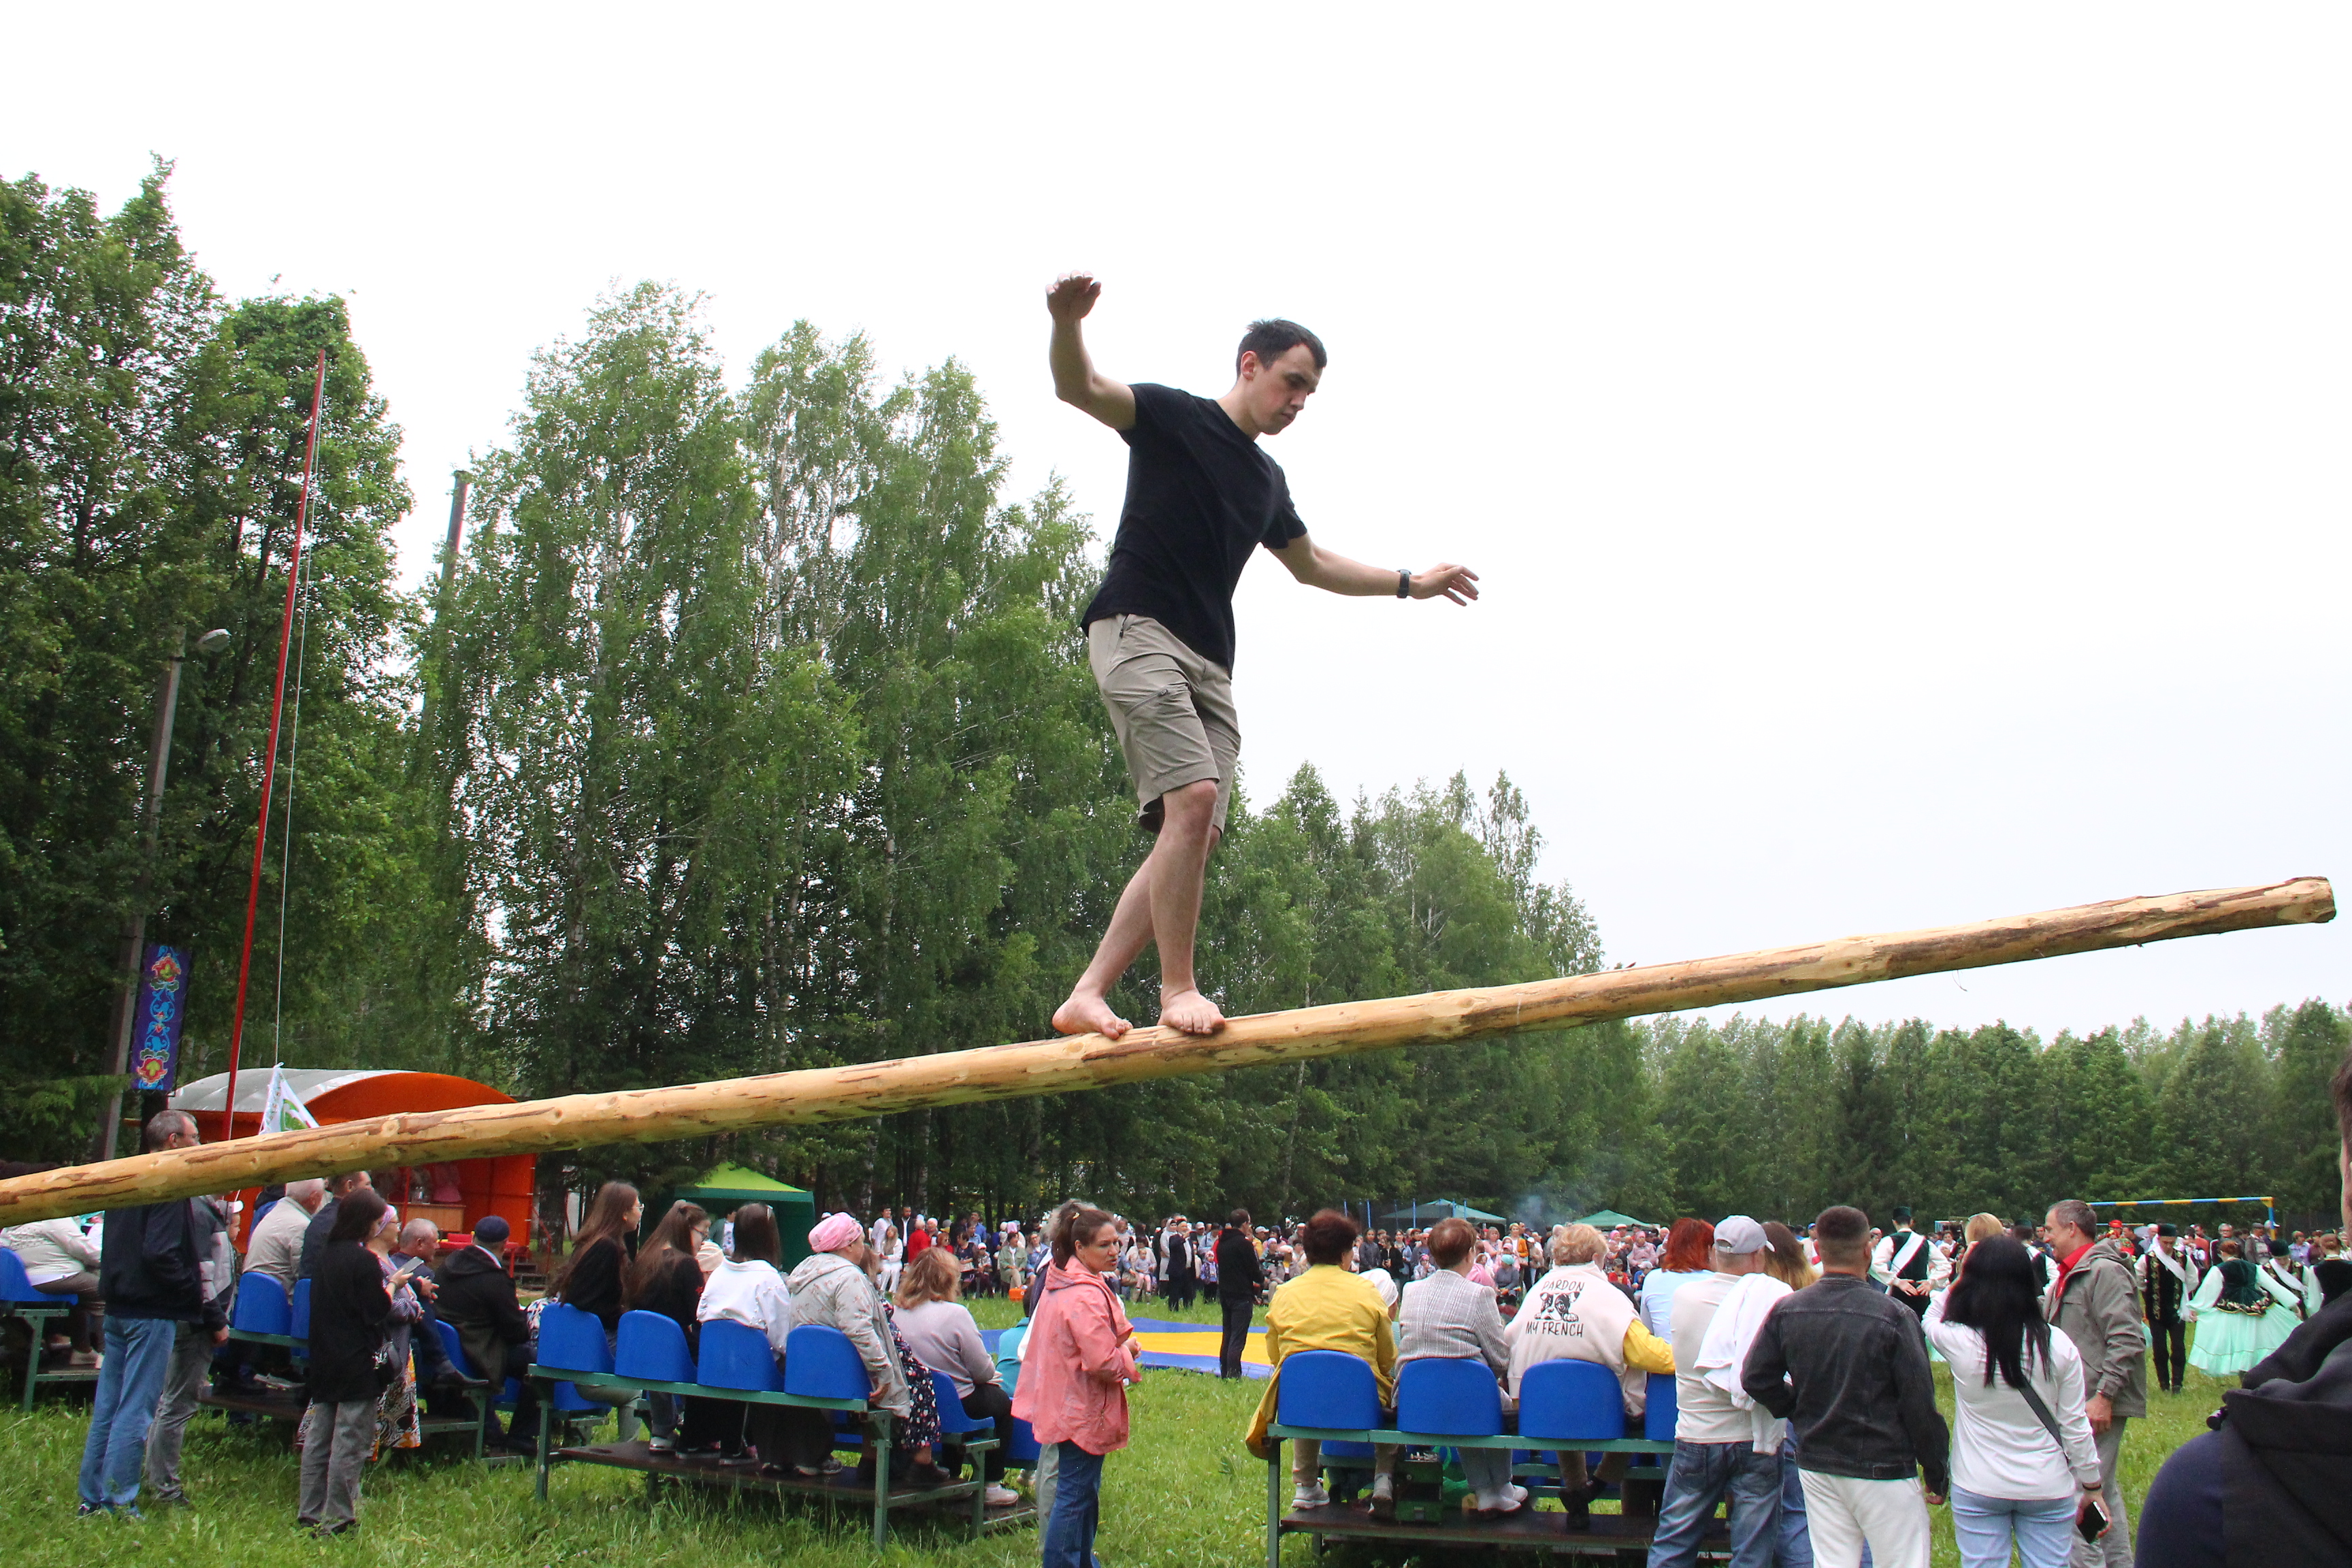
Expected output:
(2091, 1522)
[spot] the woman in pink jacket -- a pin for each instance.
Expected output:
(1081, 1356)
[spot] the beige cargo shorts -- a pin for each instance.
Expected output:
(1173, 709)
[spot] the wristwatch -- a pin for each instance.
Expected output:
(1404, 584)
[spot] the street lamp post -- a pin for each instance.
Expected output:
(134, 925)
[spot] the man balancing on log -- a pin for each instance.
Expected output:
(1201, 495)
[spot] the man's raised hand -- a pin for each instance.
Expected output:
(1458, 583)
(1072, 296)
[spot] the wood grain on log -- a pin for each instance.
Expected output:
(1090, 1061)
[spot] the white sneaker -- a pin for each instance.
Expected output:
(1311, 1496)
(1000, 1497)
(1383, 1497)
(661, 1445)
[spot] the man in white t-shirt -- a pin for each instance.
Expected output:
(1714, 1440)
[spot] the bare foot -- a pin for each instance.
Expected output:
(1085, 1014)
(1191, 1012)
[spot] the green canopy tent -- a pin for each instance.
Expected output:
(726, 1188)
(1440, 1208)
(1610, 1219)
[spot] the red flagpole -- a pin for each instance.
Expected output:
(269, 757)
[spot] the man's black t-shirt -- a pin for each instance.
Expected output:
(1199, 497)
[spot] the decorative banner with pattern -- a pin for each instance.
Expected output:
(162, 1013)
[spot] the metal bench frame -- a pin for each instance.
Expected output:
(1276, 1517)
(877, 1420)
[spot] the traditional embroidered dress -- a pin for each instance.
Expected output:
(2241, 1315)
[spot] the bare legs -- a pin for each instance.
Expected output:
(1161, 904)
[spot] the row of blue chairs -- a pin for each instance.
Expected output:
(36, 1310)
(821, 1370)
(1561, 1401)
(1334, 1398)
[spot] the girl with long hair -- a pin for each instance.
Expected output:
(666, 1279)
(590, 1277)
(2016, 1476)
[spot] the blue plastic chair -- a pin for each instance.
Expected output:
(1024, 1452)
(261, 1306)
(1327, 1388)
(953, 1422)
(737, 1355)
(572, 1340)
(298, 1322)
(1448, 1396)
(16, 1286)
(1658, 1416)
(819, 1364)
(1572, 1402)
(456, 1350)
(652, 1347)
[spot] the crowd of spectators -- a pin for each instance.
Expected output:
(1801, 1357)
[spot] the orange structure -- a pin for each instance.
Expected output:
(455, 1195)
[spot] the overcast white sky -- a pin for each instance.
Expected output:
(1905, 446)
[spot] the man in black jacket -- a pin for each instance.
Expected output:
(2267, 1485)
(1239, 1280)
(476, 1296)
(151, 1274)
(1847, 1368)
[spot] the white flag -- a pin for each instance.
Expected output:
(282, 1109)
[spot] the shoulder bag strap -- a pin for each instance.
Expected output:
(2041, 1411)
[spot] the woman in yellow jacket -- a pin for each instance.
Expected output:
(1325, 1308)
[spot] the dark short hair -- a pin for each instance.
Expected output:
(1842, 1233)
(1450, 1242)
(1273, 338)
(1238, 1219)
(1328, 1237)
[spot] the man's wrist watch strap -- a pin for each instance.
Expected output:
(1404, 583)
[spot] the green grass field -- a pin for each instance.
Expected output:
(1185, 1493)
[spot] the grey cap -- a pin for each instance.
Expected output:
(1737, 1235)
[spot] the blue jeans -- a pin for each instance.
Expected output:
(1702, 1475)
(1077, 1507)
(1792, 1545)
(2044, 1529)
(138, 1354)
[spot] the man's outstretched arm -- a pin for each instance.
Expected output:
(1334, 574)
(1076, 380)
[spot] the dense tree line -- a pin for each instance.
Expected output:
(752, 731)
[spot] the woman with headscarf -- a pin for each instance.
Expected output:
(834, 1288)
(1574, 1313)
(1077, 1358)
(2241, 1315)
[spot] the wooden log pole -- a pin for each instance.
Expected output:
(1090, 1061)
